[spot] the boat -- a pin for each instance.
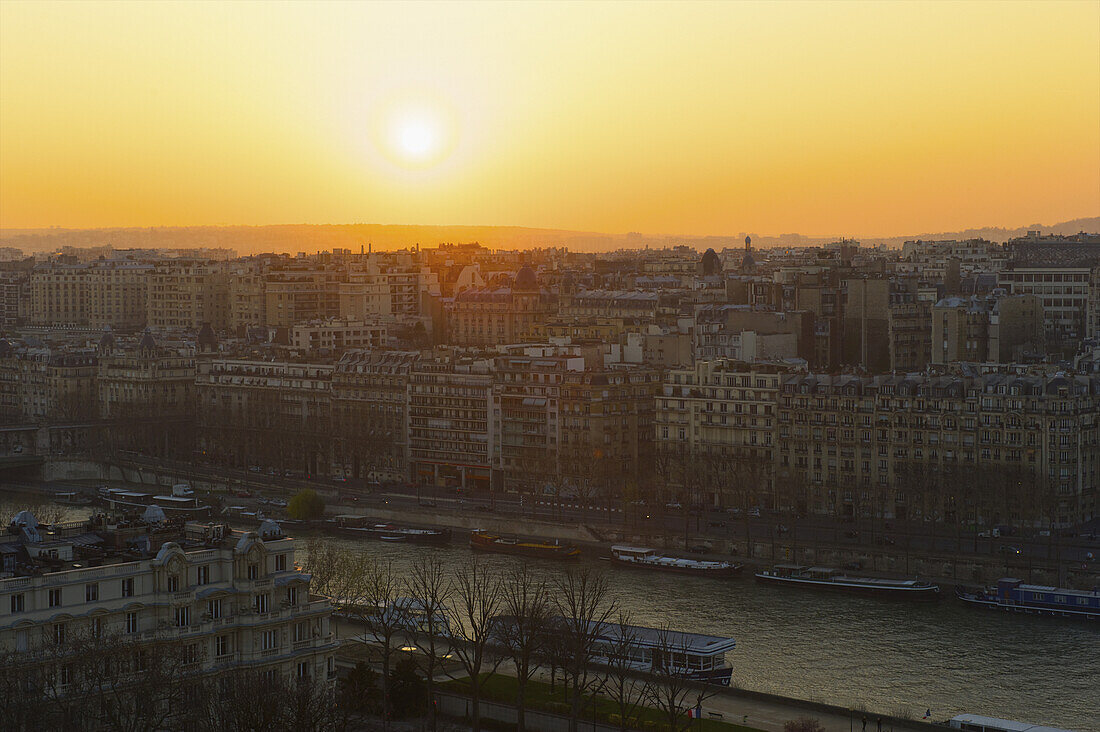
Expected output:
(827, 578)
(688, 655)
(122, 499)
(643, 558)
(486, 542)
(73, 498)
(979, 723)
(1012, 595)
(403, 613)
(359, 527)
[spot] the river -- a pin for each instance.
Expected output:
(885, 656)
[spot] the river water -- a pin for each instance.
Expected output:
(886, 656)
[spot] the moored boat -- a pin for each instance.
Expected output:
(483, 541)
(643, 558)
(1012, 595)
(361, 528)
(827, 578)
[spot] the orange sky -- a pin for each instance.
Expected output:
(868, 119)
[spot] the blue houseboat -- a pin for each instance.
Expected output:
(1012, 595)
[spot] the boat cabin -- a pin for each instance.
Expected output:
(978, 723)
(692, 655)
(633, 552)
(1011, 591)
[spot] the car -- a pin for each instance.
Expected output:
(734, 511)
(427, 503)
(754, 513)
(851, 534)
(990, 534)
(255, 469)
(883, 540)
(278, 502)
(673, 506)
(1012, 551)
(782, 529)
(717, 525)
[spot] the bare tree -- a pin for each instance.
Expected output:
(427, 586)
(622, 683)
(584, 604)
(387, 619)
(670, 690)
(477, 599)
(523, 628)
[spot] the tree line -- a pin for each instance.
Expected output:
(468, 621)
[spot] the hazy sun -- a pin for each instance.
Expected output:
(415, 131)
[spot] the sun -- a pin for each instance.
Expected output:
(415, 132)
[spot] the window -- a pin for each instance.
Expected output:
(253, 571)
(268, 640)
(59, 633)
(191, 653)
(261, 603)
(173, 583)
(214, 608)
(280, 563)
(131, 622)
(55, 598)
(292, 595)
(303, 670)
(17, 605)
(301, 632)
(91, 592)
(183, 617)
(97, 627)
(204, 575)
(128, 587)
(221, 645)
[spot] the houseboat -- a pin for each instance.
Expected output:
(690, 655)
(486, 542)
(827, 578)
(978, 723)
(360, 528)
(173, 505)
(1012, 595)
(642, 558)
(403, 613)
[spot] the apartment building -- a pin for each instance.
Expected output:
(184, 294)
(144, 379)
(297, 293)
(606, 430)
(247, 299)
(489, 316)
(909, 328)
(96, 294)
(451, 421)
(230, 599)
(369, 414)
(266, 412)
(337, 335)
(40, 384)
(991, 447)
(1065, 293)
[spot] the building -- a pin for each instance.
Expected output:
(999, 447)
(1066, 294)
(370, 415)
(215, 599)
(97, 294)
(273, 413)
(451, 421)
(337, 335)
(909, 328)
(489, 316)
(865, 339)
(301, 292)
(40, 384)
(184, 294)
(247, 299)
(144, 380)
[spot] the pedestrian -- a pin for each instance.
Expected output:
(880, 724)
(864, 723)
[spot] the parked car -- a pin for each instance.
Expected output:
(754, 513)
(851, 534)
(736, 512)
(1012, 551)
(990, 534)
(883, 540)
(673, 506)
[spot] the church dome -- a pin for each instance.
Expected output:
(525, 279)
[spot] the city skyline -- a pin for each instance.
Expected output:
(902, 118)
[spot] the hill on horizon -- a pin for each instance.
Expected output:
(309, 238)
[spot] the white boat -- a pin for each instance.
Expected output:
(827, 578)
(644, 558)
(691, 655)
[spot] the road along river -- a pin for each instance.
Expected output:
(886, 656)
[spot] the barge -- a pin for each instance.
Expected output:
(486, 542)
(643, 558)
(827, 578)
(1012, 595)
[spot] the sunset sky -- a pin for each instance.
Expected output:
(868, 119)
